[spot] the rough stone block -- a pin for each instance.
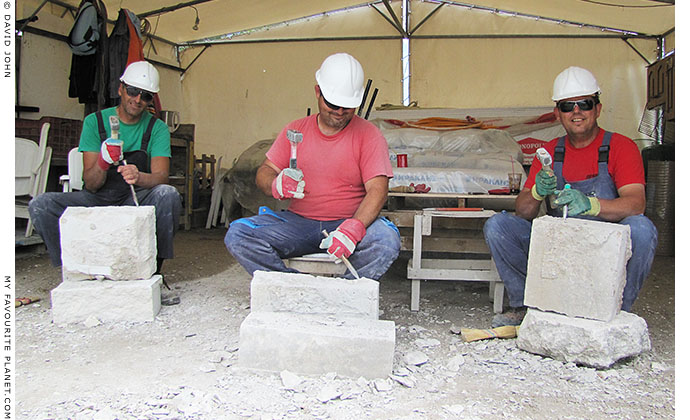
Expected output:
(273, 291)
(116, 242)
(587, 342)
(107, 300)
(577, 267)
(317, 344)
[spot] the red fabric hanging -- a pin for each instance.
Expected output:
(136, 53)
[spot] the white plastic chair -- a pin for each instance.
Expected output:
(32, 163)
(75, 167)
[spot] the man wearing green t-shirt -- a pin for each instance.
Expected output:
(143, 142)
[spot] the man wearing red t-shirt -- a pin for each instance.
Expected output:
(606, 177)
(340, 185)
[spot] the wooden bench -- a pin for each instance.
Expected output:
(466, 269)
(455, 233)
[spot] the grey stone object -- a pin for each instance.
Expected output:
(112, 242)
(303, 293)
(583, 341)
(317, 344)
(106, 300)
(576, 267)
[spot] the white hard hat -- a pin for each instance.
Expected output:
(143, 75)
(573, 82)
(341, 80)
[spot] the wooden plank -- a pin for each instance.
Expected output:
(464, 270)
(480, 214)
(405, 219)
(459, 245)
(447, 233)
(183, 138)
(177, 142)
(448, 195)
(451, 275)
(417, 242)
(432, 263)
(397, 201)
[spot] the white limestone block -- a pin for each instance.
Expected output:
(587, 342)
(577, 267)
(317, 344)
(273, 291)
(106, 300)
(115, 242)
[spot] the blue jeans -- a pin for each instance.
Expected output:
(508, 237)
(46, 209)
(261, 242)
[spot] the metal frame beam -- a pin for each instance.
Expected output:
(636, 50)
(28, 20)
(388, 37)
(222, 37)
(278, 40)
(168, 9)
(195, 58)
(625, 32)
(389, 20)
(394, 18)
(421, 22)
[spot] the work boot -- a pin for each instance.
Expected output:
(512, 316)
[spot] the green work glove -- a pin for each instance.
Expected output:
(577, 203)
(544, 184)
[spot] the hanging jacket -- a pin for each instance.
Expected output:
(88, 72)
(124, 47)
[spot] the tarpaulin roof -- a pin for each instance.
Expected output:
(279, 20)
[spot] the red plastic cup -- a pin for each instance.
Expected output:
(402, 161)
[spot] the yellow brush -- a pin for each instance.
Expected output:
(472, 334)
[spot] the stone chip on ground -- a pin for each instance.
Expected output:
(415, 358)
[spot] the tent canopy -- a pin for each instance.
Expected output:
(258, 73)
(174, 21)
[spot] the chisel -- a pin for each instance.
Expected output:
(115, 134)
(344, 259)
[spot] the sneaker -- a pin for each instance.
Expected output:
(512, 316)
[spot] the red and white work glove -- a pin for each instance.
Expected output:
(288, 184)
(342, 241)
(111, 153)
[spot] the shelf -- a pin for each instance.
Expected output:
(182, 161)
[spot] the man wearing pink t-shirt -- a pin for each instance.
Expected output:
(339, 185)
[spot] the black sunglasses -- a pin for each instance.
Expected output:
(583, 104)
(132, 91)
(332, 106)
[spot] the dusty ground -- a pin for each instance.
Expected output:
(184, 364)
